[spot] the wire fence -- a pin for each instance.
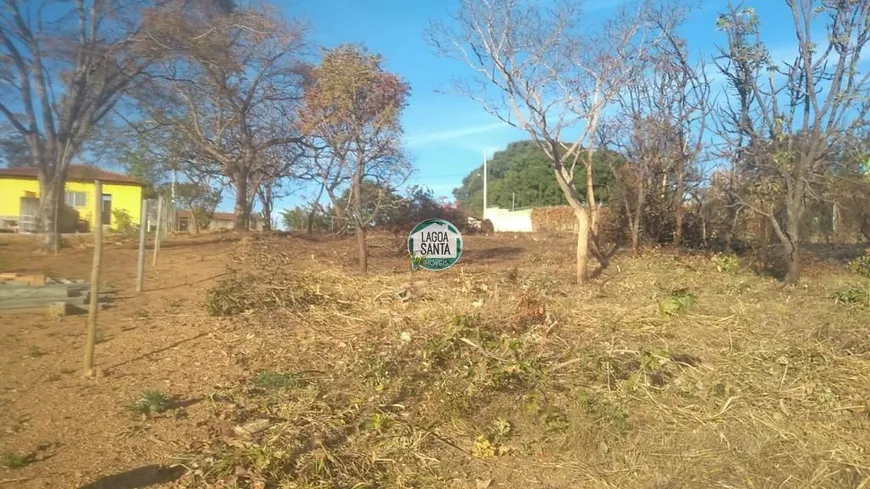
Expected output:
(160, 213)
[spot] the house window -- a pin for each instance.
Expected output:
(107, 209)
(76, 199)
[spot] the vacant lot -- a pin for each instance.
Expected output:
(267, 362)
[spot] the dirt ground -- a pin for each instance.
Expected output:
(664, 372)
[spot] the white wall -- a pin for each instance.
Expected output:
(504, 220)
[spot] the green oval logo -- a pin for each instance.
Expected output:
(434, 244)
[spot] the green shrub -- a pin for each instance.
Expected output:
(861, 265)
(855, 294)
(123, 221)
(726, 262)
(678, 302)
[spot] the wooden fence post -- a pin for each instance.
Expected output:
(140, 269)
(95, 280)
(157, 232)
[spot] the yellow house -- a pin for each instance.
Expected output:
(19, 197)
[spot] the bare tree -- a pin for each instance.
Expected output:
(60, 76)
(782, 133)
(664, 108)
(537, 68)
(229, 83)
(688, 107)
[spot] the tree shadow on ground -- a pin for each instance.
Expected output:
(154, 352)
(138, 478)
(492, 255)
(196, 242)
(186, 284)
(178, 403)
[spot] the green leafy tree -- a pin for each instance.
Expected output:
(521, 175)
(201, 200)
(299, 218)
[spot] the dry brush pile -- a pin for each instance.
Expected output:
(681, 371)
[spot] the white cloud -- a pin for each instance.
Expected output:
(436, 136)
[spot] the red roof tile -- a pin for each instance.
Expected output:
(77, 173)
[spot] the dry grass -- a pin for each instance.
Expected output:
(514, 378)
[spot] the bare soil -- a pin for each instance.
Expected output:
(663, 372)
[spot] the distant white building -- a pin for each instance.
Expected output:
(507, 221)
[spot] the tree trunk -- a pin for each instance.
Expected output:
(266, 199)
(363, 248)
(635, 238)
(793, 233)
(50, 195)
(731, 220)
(311, 221)
(360, 225)
(704, 229)
(678, 210)
(194, 219)
(789, 242)
(241, 208)
(794, 263)
(582, 244)
(592, 216)
(635, 224)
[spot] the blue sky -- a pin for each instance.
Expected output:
(447, 134)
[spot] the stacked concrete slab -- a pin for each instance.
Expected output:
(34, 292)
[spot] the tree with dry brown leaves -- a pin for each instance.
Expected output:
(352, 109)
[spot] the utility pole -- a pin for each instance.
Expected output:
(513, 201)
(172, 188)
(484, 184)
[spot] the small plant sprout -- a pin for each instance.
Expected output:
(14, 461)
(726, 262)
(861, 265)
(277, 380)
(678, 302)
(501, 428)
(150, 403)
